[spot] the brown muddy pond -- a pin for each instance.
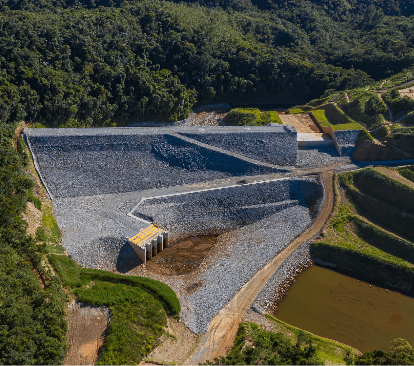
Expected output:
(182, 257)
(342, 308)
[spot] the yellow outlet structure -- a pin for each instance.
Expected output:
(149, 242)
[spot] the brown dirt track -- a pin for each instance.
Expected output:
(223, 328)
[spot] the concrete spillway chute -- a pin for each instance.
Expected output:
(149, 241)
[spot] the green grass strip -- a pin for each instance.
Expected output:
(407, 172)
(75, 276)
(330, 115)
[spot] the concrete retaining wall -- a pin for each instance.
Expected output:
(343, 140)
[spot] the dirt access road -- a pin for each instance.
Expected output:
(223, 328)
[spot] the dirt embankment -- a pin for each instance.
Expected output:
(87, 330)
(301, 122)
(223, 328)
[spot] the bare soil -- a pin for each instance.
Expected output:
(301, 122)
(33, 217)
(177, 344)
(183, 257)
(393, 174)
(408, 92)
(223, 328)
(369, 151)
(208, 119)
(87, 330)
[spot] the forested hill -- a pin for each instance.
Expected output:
(111, 62)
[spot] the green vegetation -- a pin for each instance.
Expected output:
(365, 107)
(269, 348)
(300, 109)
(381, 133)
(401, 353)
(402, 132)
(407, 172)
(106, 63)
(330, 115)
(138, 308)
(395, 80)
(32, 300)
(398, 103)
(371, 182)
(32, 323)
(251, 117)
(408, 119)
(327, 350)
(355, 244)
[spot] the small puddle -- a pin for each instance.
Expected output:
(183, 257)
(342, 308)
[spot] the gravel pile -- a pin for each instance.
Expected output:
(345, 141)
(86, 163)
(319, 156)
(95, 230)
(274, 145)
(206, 115)
(215, 211)
(248, 249)
(295, 262)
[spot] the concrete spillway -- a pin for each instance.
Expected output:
(149, 241)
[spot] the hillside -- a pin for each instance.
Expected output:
(66, 63)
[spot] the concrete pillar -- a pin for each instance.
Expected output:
(166, 239)
(149, 251)
(154, 247)
(141, 251)
(160, 243)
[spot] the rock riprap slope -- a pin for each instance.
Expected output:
(275, 145)
(87, 162)
(215, 211)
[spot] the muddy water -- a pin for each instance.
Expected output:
(183, 257)
(342, 308)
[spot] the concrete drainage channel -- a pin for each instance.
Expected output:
(110, 185)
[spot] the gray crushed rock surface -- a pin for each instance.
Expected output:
(94, 164)
(345, 141)
(297, 260)
(248, 250)
(216, 211)
(278, 148)
(319, 156)
(97, 176)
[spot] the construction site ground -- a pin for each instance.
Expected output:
(87, 331)
(180, 345)
(183, 257)
(301, 122)
(408, 92)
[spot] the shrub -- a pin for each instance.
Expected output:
(138, 306)
(251, 117)
(402, 132)
(239, 118)
(396, 102)
(380, 133)
(408, 119)
(407, 172)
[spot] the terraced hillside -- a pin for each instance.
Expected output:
(371, 233)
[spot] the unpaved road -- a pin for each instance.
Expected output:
(223, 328)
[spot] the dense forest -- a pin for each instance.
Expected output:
(111, 62)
